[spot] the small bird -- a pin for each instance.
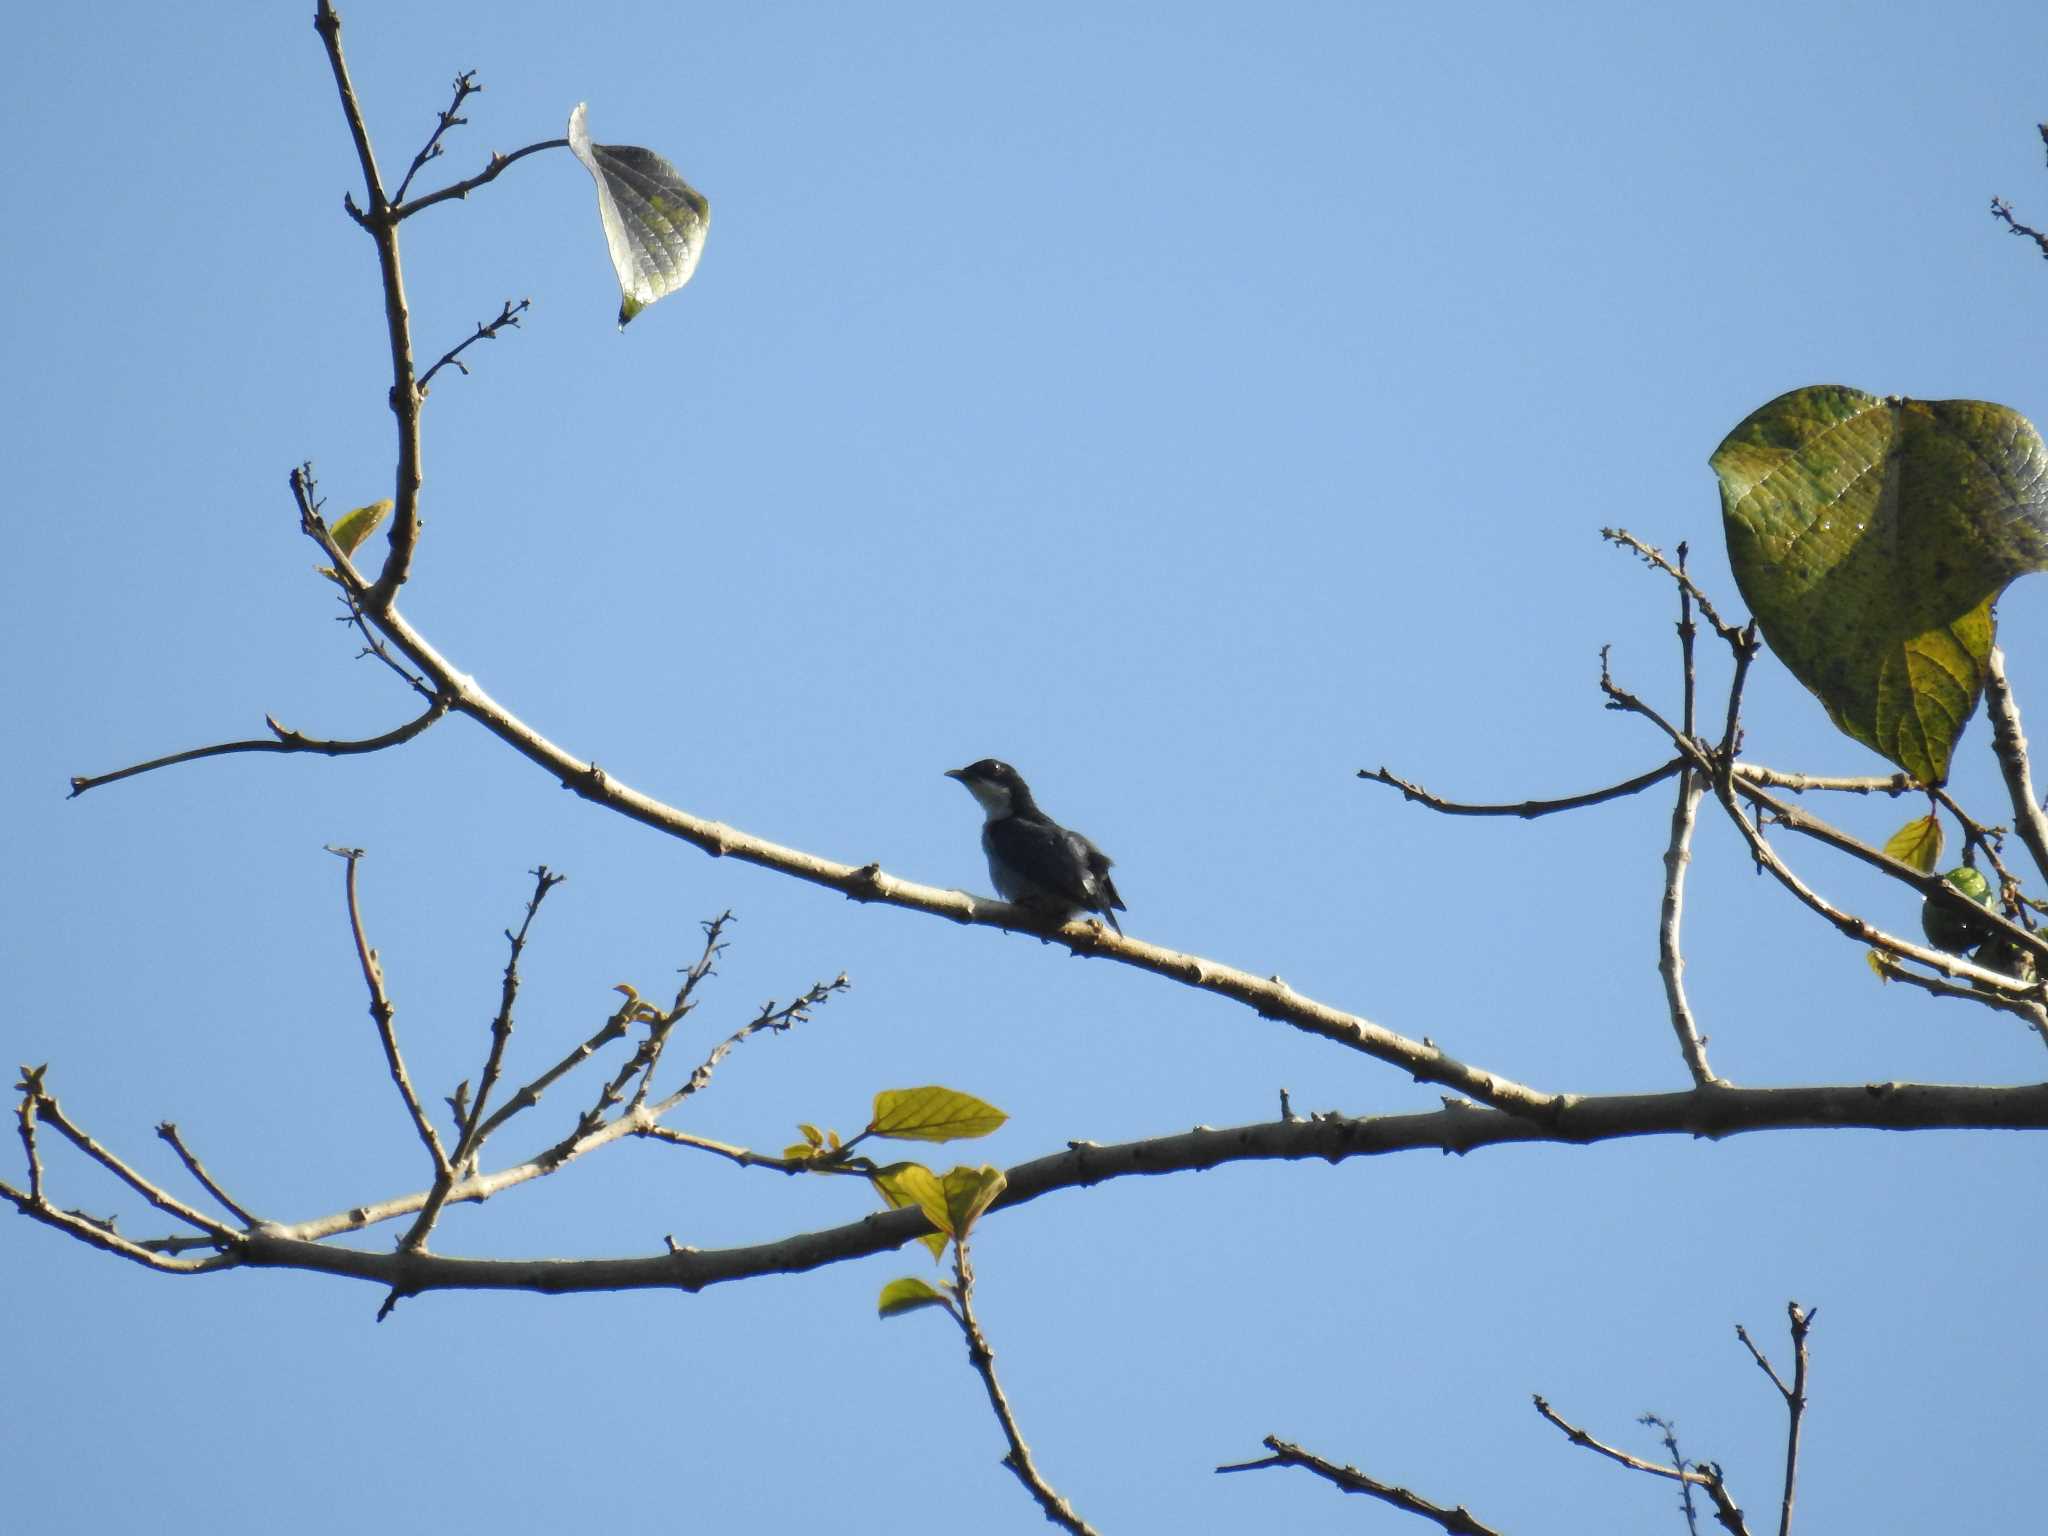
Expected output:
(1034, 861)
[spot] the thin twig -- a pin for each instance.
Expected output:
(1794, 1396)
(1703, 1475)
(1669, 1431)
(2021, 1008)
(467, 1123)
(2001, 210)
(1018, 1458)
(1678, 855)
(2009, 745)
(501, 1025)
(742, 1156)
(465, 87)
(461, 189)
(1655, 558)
(1526, 809)
(486, 330)
(49, 1112)
(31, 1089)
(382, 1013)
(281, 739)
(197, 1169)
(1670, 956)
(1457, 1521)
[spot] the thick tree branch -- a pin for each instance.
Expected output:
(1699, 1113)
(1270, 997)
(1457, 1521)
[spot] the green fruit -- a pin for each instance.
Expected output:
(1945, 927)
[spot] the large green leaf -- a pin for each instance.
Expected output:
(654, 221)
(1870, 538)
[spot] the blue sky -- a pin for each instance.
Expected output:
(1191, 404)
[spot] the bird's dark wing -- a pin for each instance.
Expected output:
(1042, 863)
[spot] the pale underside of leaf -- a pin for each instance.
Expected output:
(654, 221)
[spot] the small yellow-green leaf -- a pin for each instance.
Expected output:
(968, 1193)
(1917, 843)
(933, 1114)
(902, 1184)
(810, 1133)
(799, 1152)
(1879, 963)
(350, 532)
(907, 1295)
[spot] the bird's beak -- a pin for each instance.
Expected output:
(957, 773)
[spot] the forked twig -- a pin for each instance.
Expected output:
(1458, 1521)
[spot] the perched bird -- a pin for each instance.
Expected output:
(1034, 861)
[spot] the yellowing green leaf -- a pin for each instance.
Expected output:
(933, 1114)
(1870, 538)
(800, 1151)
(350, 532)
(1917, 843)
(901, 1184)
(968, 1193)
(907, 1295)
(810, 1133)
(1879, 963)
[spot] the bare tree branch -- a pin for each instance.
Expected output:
(2009, 745)
(465, 87)
(468, 1124)
(1894, 785)
(1457, 1521)
(2001, 210)
(281, 739)
(486, 330)
(1705, 1475)
(1794, 1396)
(1528, 810)
(382, 1013)
(1697, 1113)
(1654, 558)
(380, 220)
(197, 1169)
(497, 165)
(1018, 1458)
